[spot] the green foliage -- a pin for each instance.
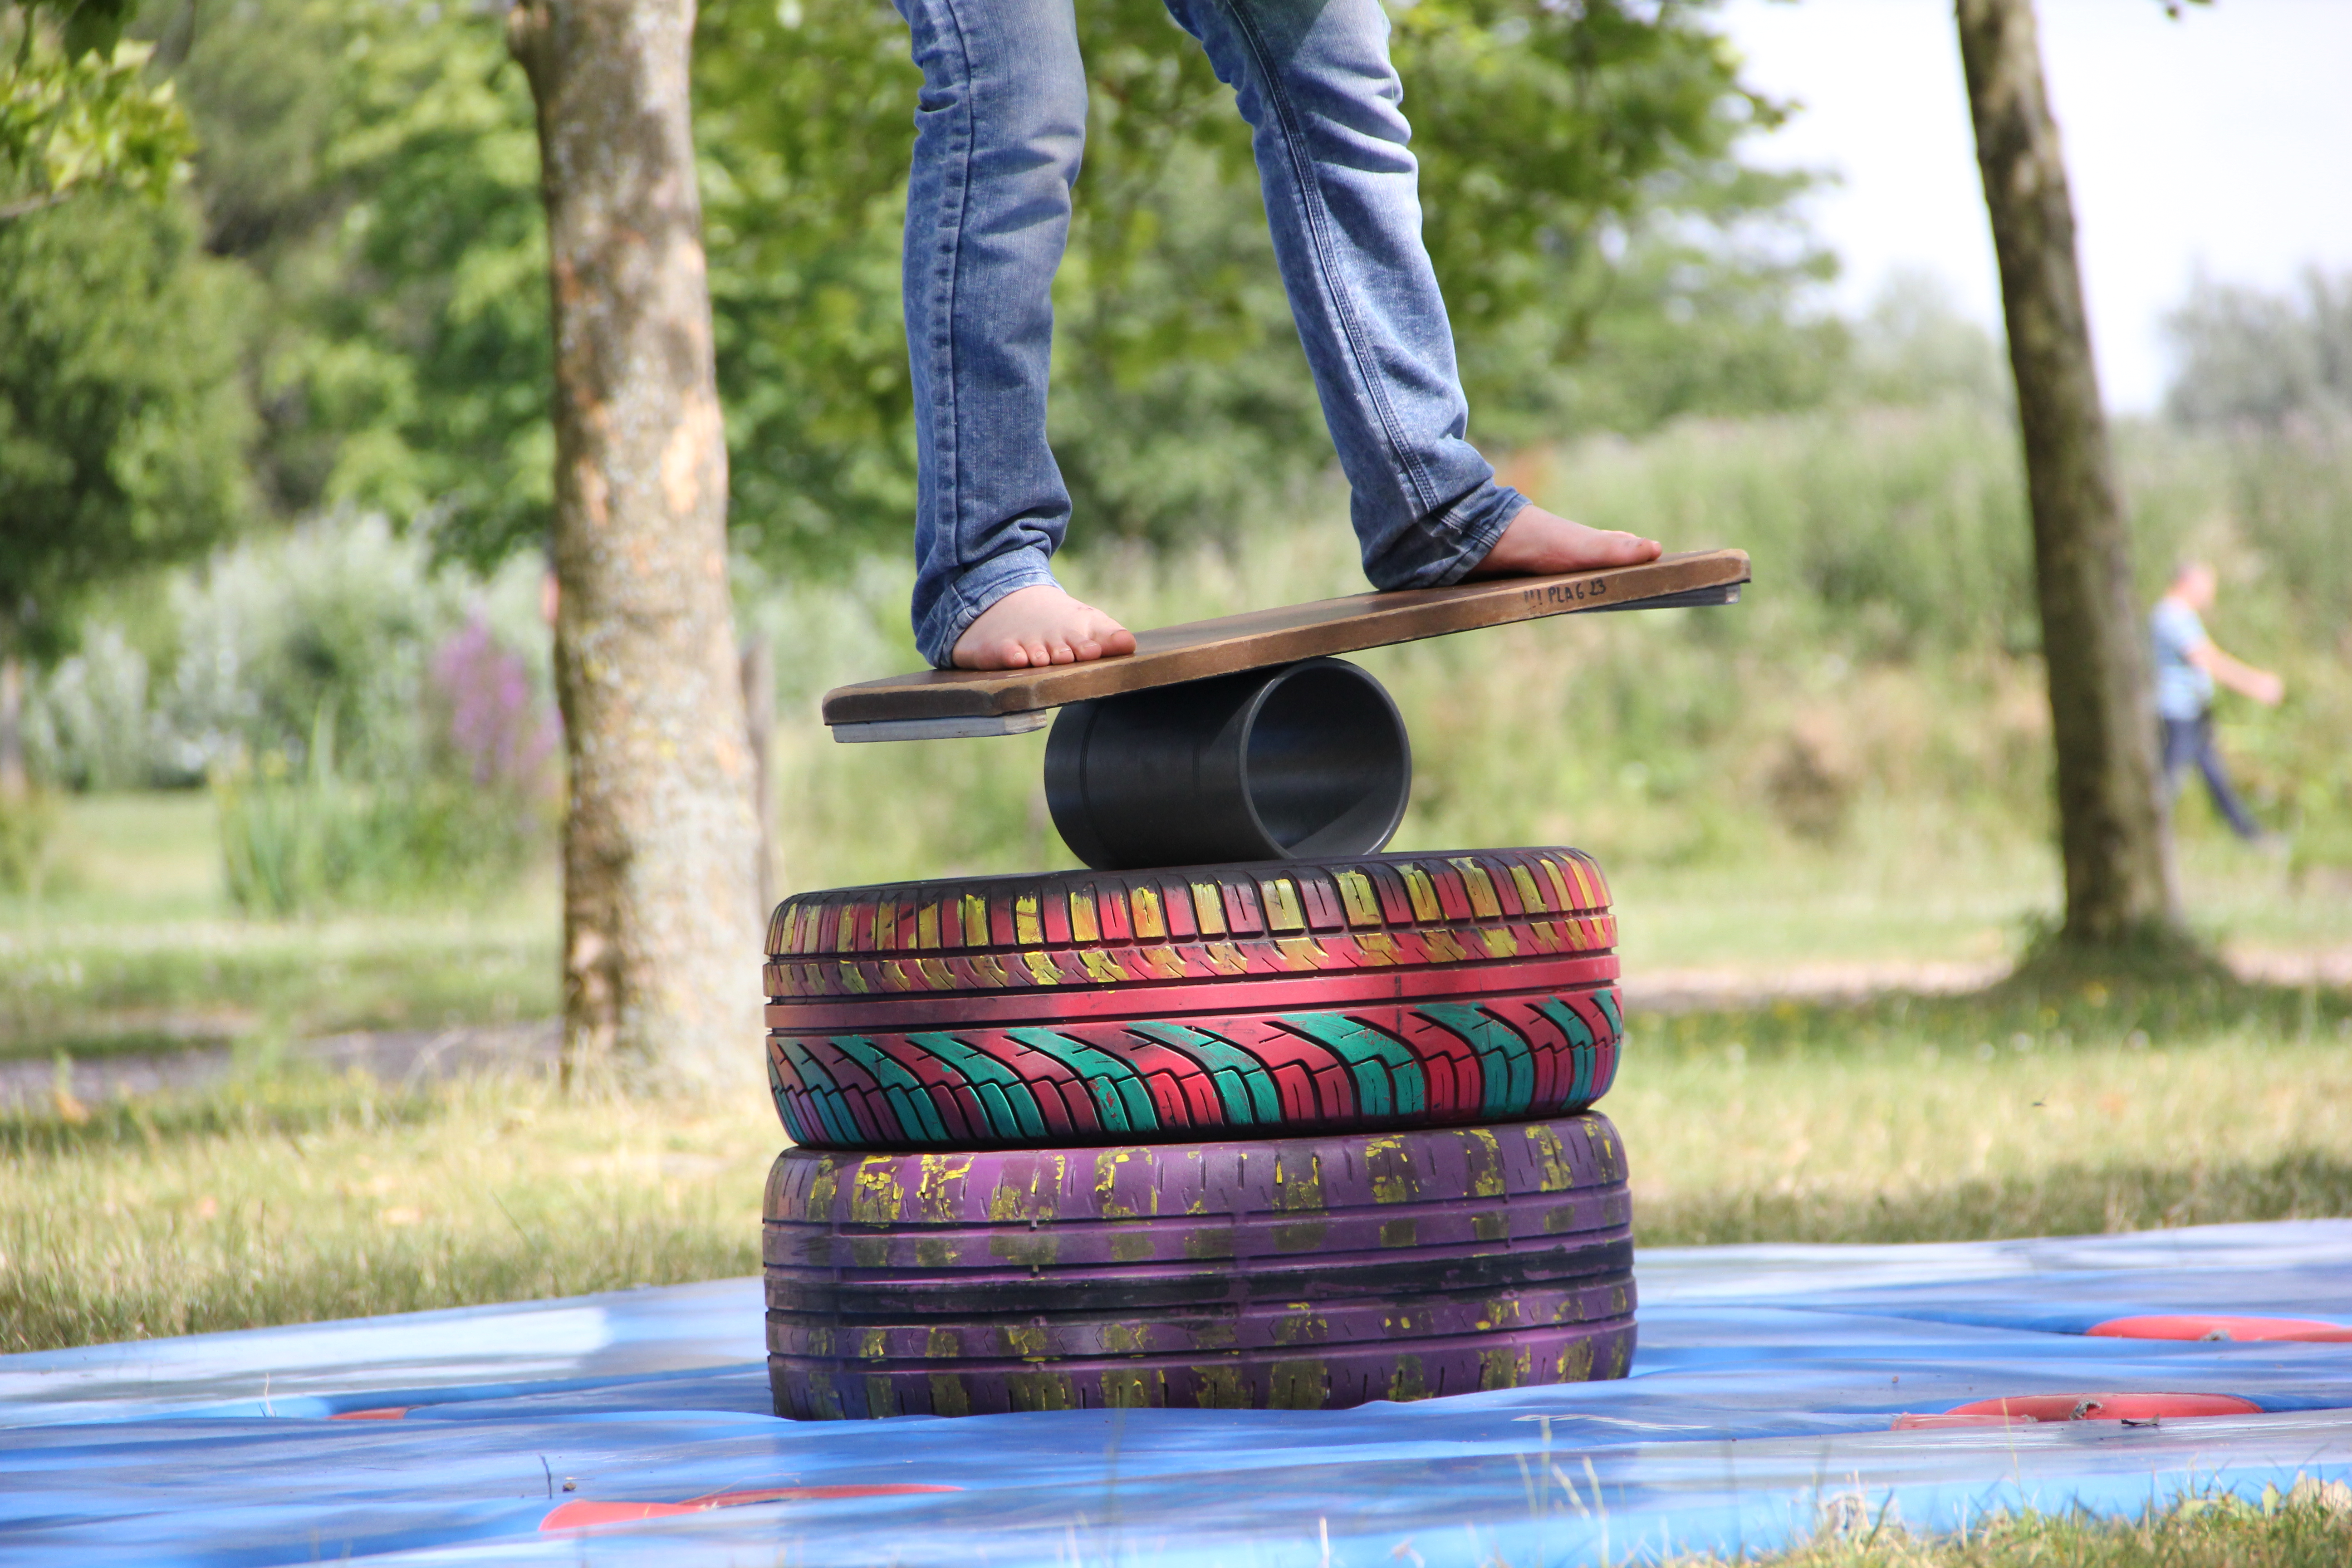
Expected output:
(804, 116)
(1903, 531)
(86, 725)
(123, 420)
(378, 165)
(2307, 1526)
(295, 843)
(307, 688)
(26, 824)
(336, 617)
(2248, 356)
(78, 108)
(1607, 260)
(1912, 348)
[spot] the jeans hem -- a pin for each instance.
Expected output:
(1447, 547)
(970, 597)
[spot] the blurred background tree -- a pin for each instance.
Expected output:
(2270, 361)
(122, 420)
(1610, 257)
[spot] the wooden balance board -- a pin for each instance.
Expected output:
(937, 704)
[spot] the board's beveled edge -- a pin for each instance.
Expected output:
(1196, 649)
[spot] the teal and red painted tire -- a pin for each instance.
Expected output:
(1526, 1025)
(1297, 1273)
(1474, 1045)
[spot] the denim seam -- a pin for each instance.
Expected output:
(955, 191)
(1310, 200)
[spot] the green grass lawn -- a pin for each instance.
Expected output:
(132, 946)
(2309, 1526)
(290, 1198)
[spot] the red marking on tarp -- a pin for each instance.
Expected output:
(389, 1412)
(581, 1514)
(2020, 1409)
(2208, 1326)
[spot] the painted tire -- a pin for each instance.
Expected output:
(1310, 1054)
(1086, 929)
(1289, 1273)
(1384, 992)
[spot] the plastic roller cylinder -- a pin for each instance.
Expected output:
(1310, 759)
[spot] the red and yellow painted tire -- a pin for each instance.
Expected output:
(1085, 929)
(1493, 1009)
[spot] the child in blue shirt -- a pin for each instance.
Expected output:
(2188, 665)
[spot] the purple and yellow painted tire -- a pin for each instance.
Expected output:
(1281, 1273)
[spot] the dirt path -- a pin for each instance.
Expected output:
(394, 1056)
(1749, 985)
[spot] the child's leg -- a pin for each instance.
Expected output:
(1313, 81)
(999, 129)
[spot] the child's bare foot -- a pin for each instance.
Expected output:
(1033, 626)
(1538, 543)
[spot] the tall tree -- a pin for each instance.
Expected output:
(2110, 822)
(122, 420)
(661, 924)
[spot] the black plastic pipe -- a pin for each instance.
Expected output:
(1309, 759)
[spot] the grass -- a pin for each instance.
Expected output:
(2043, 1107)
(139, 950)
(2309, 1526)
(1952, 1119)
(290, 1198)
(296, 1198)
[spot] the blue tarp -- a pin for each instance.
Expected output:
(1760, 1406)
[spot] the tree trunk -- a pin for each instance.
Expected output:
(661, 934)
(759, 668)
(2110, 821)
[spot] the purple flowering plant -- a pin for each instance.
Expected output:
(497, 726)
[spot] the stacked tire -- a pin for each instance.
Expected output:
(1296, 1134)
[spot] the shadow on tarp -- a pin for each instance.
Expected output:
(633, 1428)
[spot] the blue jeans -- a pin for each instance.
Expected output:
(999, 131)
(2187, 741)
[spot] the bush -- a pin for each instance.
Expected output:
(86, 724)
(297, 842)
(336, 614)
(456, 790)
(25, 826)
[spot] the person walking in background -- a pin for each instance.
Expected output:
(2188, 665)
